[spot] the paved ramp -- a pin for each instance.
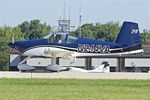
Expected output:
(76, 75)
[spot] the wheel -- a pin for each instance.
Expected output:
(22, 70)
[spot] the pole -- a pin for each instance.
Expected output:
(13, 39)
(59, 14)
(64, 10)
(80, 22)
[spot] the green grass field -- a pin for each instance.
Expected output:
(74, 89)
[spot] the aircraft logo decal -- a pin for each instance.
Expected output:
(47, 51)
(134, 31)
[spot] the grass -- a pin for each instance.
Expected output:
(73, 89)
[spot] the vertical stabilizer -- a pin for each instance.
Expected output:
(129, 35)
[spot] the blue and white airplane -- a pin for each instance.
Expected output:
(63, 45)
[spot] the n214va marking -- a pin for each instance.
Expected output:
(93, 48)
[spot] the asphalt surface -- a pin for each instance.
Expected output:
(76, 75)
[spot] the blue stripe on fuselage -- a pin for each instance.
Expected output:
(94, 42)
(26, 44)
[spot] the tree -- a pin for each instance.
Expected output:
(6, 34)
(110, 31)
(106, 32)
(4, 58)
(25, 29)
(145, 36)
(3, 49)
(34, 29)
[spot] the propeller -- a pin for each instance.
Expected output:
(13, 41)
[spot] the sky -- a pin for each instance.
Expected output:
(14, 12)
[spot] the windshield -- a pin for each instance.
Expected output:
(56, 38)
(71, 39)
(47, 36)
(60, 38)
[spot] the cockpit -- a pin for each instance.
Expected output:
(60, 38)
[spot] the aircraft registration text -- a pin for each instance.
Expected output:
(93, 48)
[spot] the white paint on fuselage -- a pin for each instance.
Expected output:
(60, 52)
(46, 52)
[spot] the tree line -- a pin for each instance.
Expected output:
(34, 29)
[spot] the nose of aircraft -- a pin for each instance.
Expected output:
(25, 44)
(12, 45)
(17, 45)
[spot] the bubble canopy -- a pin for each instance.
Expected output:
(61, 38)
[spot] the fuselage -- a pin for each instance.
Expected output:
(63, 44)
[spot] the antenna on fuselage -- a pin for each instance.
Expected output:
(80, 16)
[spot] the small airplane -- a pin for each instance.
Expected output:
(103, 68)
(63, 45)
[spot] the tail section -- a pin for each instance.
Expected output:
(129, 35)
